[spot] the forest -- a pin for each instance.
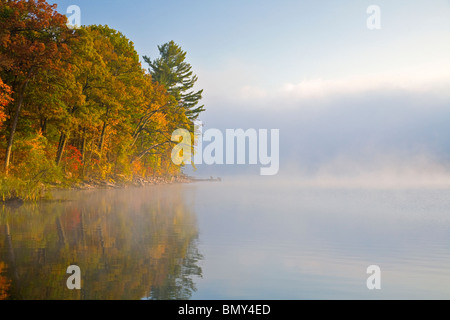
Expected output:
(77, 104)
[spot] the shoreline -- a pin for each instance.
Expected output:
(136, 182)
(91, 184)
(46, 193)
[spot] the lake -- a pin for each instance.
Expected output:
(236, 239)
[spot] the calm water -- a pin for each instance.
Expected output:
(230, 240)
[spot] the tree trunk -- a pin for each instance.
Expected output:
(43, 126)
(19, 103)
(102, 139)
(83, 146)
(61, 146)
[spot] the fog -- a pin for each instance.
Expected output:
(385, 135)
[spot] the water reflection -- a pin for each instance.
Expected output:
(129, 244)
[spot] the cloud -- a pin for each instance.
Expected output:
(431, 78)
(428, 78)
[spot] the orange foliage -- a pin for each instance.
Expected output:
(138, 169)
(5, 98)
(27, 51)
(72, 159)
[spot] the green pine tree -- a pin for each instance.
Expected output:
(171, 70)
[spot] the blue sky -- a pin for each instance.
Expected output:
(312, 69)
(282, 41)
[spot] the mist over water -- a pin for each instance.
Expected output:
(364, 180)
(288, 239)
(130, 244)
(247, 237)
(370, 171)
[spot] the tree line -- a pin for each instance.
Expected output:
(77, 103)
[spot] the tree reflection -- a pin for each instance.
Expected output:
(129, 244)
(179, 285)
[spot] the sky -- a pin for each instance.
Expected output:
(339, 92)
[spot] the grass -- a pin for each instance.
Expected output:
(28, 190)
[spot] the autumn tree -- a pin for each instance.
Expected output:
(114, 97)
(82, 85)
(172, 71)
(33, 38)
(151, 127)
(136, 115)
(77, 103)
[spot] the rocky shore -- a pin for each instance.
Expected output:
(137, 182)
